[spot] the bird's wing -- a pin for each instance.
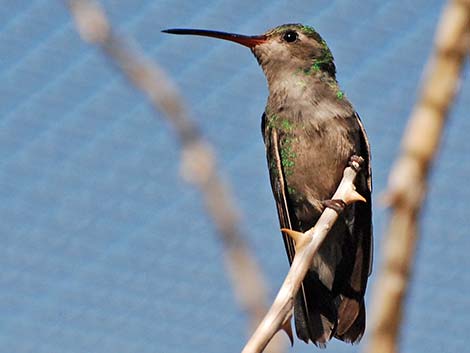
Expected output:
(351, 311)
(278, 185)
(319, 329)
(364, 210)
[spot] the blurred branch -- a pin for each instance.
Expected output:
(408, 177)
(306, 246)
(198, 161)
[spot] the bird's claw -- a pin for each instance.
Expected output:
(337, 205)
(355, 162)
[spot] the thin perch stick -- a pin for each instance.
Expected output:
(306, 245)
(198, 161)
(408, 178)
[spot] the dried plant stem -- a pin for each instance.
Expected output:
(306, 245)
(408, 178)
(198, 161)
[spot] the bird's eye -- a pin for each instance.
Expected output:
(290, 36)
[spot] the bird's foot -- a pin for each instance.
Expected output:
(337, 205)
(355, 162)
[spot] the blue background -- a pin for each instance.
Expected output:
(105, 249)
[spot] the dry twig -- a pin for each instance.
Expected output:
(306, 245)
(198, 161)
(408, 178)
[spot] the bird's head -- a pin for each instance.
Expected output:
(288, 48)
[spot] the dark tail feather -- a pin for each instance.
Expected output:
(351, 320)
(315, 313)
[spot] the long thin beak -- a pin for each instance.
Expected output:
(247, 41)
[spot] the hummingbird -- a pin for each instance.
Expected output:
(311, 131)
